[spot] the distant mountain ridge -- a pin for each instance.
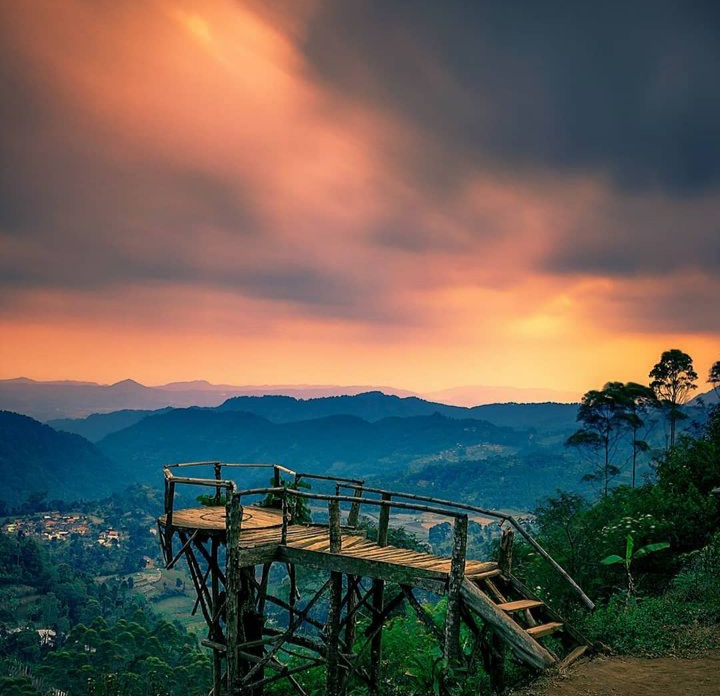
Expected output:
(67, 399)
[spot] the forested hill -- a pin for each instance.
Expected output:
(370, 406)
(34, 457)
(373, 406)
(339, 443)
(544, 419)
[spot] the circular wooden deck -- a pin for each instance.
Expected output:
(316, 539)
(213, 518)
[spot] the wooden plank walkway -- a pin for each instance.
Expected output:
(260, 541)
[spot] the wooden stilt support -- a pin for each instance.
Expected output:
(232, 573)
(216, 631)
(494, 659)
(457, 572)
(262, 590)
(350, 621)
(334, 679)
(252, 664)
(378, 598)
(378, 593)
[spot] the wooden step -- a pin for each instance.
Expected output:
(523, 645)
(520, 605)
(544, 629)
(485, 574)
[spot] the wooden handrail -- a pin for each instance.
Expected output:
(498, 515)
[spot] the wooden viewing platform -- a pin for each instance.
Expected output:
(367, 581)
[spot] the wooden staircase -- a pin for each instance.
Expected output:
(521, 620)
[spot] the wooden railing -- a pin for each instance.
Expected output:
(286, 493)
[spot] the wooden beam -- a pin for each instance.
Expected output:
(402, 575)
(424, 617)
(506, 551)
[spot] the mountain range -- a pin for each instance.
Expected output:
(366, 435)
(502, 454)
(371, 406)
(69, 399)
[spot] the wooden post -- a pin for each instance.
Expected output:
(355, 508)
(506, 551)
(233, 512)
(333, 678)
(457, 573)
(378, 599)
(276, 477)
(218, 475)
(384, 521)
(277, 483)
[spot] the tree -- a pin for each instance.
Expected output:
(559, 521)
(638, 399)
(673, 378)
(604, 416)
(714, 377)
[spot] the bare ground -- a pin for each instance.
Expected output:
(630, 676)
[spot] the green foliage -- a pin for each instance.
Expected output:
(631, 554)
(18, 686)
(682, 620)
(212, 499)
(298, 506)
(114, 644)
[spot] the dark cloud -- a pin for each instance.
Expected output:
(437, 141)
(623, 89)
(642, 236)
(677, 306)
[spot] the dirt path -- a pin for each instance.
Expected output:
(627, 676)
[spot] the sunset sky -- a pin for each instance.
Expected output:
(420, 194)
